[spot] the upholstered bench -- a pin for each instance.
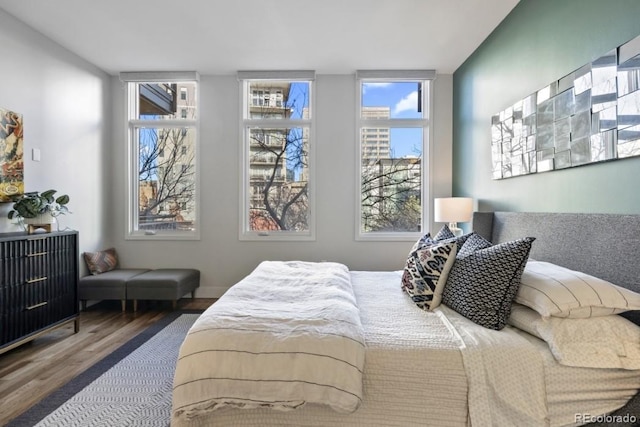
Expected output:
(165, 284)
(107, 281)
(109, 285)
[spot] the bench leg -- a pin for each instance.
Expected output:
(174, 304)
(123, 303)
(193, 294)
(135, 305)
(84, 305)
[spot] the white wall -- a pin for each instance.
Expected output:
(65, 103)
(220, 256)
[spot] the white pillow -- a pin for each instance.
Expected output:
(596, 342)
(552, 290)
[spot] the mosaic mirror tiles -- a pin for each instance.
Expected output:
(591, 115)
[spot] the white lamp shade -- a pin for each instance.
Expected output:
(453, 209)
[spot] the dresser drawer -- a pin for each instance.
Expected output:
(39, 285)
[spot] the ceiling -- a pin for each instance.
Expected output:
(223, 36)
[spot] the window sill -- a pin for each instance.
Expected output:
(388, 237)
(277, 236)
(158, 235)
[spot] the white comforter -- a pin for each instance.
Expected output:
(435, 369)
(288, 334)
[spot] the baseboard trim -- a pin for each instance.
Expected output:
(210, 292)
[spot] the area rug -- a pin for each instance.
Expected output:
(130, 387)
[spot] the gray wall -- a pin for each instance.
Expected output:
(539, 42)
(66, 108)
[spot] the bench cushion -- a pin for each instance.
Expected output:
(163, 284)
(108, 285)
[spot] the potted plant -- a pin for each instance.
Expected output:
(39, 208)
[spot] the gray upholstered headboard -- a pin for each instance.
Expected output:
(602, 245)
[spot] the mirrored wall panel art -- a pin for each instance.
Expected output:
(590, 115)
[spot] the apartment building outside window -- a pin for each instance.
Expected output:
(393, 122)
(162, 134)
(277, 156)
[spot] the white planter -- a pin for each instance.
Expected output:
(41, 219)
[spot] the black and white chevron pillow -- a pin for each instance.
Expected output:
(482, 285)
(445, 233)
(473, 243)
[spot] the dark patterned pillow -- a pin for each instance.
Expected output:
(482, 285)
(473, 243)
(426, 273)
(427, 240)
(460, 240)
(101, 261)
(444, 233)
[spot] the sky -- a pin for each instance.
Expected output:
(402, 100)
(400, 97)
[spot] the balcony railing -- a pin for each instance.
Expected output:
(163, 222)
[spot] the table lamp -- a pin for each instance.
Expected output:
(453, 210)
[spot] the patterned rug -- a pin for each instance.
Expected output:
(130, 387)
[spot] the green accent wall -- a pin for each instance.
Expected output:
(538, 42)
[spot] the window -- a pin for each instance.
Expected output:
(393, 121)
(162, 130)
(277, 156)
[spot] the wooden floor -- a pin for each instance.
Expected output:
(32, 371)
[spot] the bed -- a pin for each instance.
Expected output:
(389, 362)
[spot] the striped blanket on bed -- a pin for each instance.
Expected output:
(286, 335)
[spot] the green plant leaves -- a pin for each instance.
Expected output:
(30, 205)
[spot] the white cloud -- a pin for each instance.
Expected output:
(408, 103)
(375, 85)
(378, 84)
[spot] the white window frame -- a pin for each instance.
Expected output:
(245, 78)
(130, 81)
(426, 123)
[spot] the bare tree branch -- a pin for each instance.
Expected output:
(390, 195)
(279, 157)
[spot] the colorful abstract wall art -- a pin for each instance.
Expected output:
(11, 155)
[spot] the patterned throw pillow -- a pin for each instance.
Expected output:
(444, 233)
(473, 243)
(426, 273)
(482, 285)
(427, 240)
(101, 261)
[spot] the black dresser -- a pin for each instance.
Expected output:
(39, 289)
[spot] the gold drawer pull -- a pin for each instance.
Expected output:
(37, 254)
(39, 279)
(31, 307)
